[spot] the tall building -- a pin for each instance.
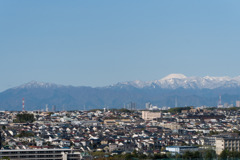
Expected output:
(148, 105)
(46, 107)
(131, 106)
(237, 103)
(53, 108)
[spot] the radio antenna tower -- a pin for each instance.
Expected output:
(23, 104)
(176, 104)
(220, 101)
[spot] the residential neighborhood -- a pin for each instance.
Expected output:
(88, 134)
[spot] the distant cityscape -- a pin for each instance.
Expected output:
(132, 106)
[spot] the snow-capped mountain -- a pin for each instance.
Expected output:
(174, 81)
(194, 91)
(35, 84)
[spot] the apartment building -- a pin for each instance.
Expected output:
(38, 154)
(149, 115)
(231, 144)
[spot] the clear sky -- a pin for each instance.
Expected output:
(102, 42)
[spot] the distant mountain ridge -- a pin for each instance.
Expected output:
(194, 91)
(174, 81)
(35, 84)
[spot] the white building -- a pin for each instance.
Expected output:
(148, 115)
(181, 149)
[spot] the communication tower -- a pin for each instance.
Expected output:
(23, 104)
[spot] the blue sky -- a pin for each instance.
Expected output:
(98, 43)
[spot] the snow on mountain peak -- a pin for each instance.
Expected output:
(217, 78)
(174, 81)
(174, 76)
(35, 84)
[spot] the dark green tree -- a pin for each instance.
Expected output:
(25, 134)
(187, 155)
(209, 154)
(224, 154)
(196, 155)
(3, 127)
(24, 118)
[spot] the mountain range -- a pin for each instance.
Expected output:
(174, 81)
(172, 89)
